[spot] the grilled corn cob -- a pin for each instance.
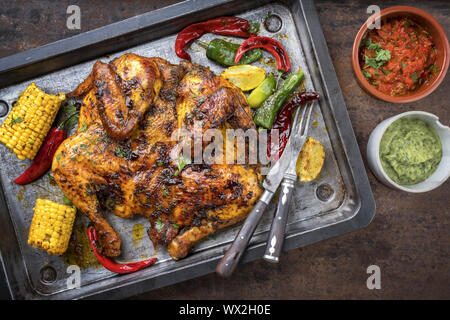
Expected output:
(51, 227)
(29, 121)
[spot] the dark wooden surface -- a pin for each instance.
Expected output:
(409, 238)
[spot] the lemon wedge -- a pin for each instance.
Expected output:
(246, 77)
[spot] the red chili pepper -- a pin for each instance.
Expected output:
(226, 26)
(43, 160)
(283, 122)
(268, 44)
(110, 264)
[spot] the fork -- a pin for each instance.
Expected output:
(278, 227)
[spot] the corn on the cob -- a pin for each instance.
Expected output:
(29, 121)
(51, 226)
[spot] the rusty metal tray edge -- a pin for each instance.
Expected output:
(19, 67)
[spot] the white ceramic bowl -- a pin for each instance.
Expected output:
(437, 178)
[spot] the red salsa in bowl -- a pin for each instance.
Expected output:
(399, 57)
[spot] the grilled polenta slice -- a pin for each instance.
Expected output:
(310, 161)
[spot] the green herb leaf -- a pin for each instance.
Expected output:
(176, 226)
(14, 121)
(406, 24)
(120, 153)
(182, 162)
(374, 46)
(434, 68)
(371, 62)
(72, 122)
(383, 55)
(58, 157)
(366, 42)
(366, 74)
(254, 27)
(386, 72)
(69, 109)
(67, 201)
(83, 127)
(105, 138)
(164, 191)
(72, 115)
(414, 76)
(159, 225)
(91, 141)
(159, 163)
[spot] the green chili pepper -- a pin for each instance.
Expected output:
(262, 92)
(267, 113)
(223, 52)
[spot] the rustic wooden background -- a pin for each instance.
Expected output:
(409, 238)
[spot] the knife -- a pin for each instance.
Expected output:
(277, 230)
(273, 179)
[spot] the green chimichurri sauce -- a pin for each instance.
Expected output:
(410, 151)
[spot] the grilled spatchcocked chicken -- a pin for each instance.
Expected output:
(122, 158)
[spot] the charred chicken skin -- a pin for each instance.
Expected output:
(122, 158)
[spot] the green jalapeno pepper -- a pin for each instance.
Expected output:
(223, 52)
(262, 92)
(267, 113)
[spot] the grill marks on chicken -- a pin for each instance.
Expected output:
(122, 158)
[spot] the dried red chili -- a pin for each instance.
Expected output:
(271, 45)
(110, 264)
(226, 26)
(284, 120)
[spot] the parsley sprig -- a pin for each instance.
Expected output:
(182, 162)
(381, 56)
(159, 225)
(71, 115)
(15, 120)
(120, 152)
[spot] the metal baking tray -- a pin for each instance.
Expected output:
(339, 201)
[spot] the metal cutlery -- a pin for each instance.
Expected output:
(273, 179)
(278, 227)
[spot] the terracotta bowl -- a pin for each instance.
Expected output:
(440, 41)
